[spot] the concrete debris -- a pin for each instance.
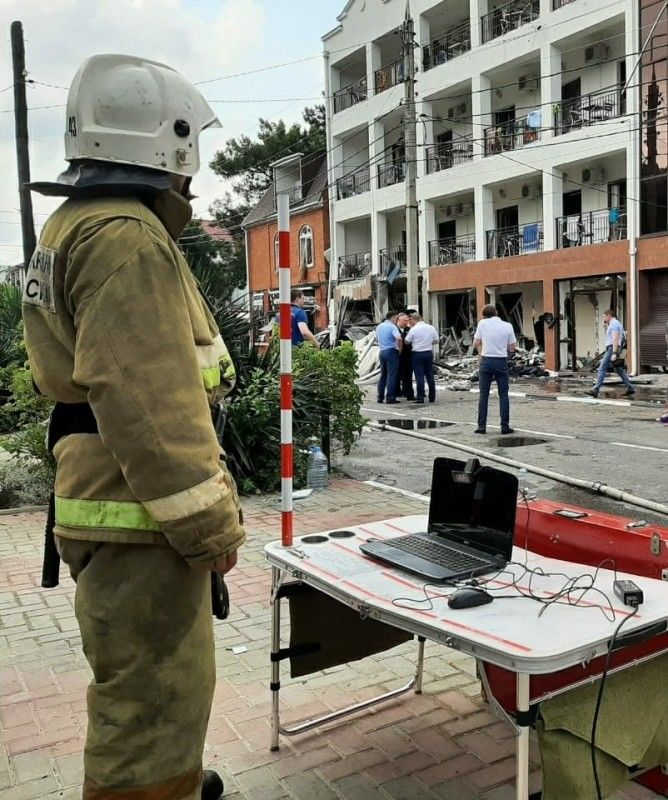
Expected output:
(368, 360)
(460, 386)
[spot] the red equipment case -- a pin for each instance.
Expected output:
(587, 537)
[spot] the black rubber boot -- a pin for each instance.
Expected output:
(212, 785)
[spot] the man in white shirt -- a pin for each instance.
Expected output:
(422, 337)
(493, 339)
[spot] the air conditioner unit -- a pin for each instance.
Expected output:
(448, 211)
(451, 112)
(525, 190)
(593, 175)
(528, 83)
(596, 52)
(461, 108)
(463, 209)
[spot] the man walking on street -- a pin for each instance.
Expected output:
(390, 343)
(614, 339)
(300, 328)
(120, 338)
(405, 376)
(493, 339)
(422, 337)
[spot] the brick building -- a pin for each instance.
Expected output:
(541, 166)
(304, 178)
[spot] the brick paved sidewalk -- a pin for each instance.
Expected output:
(442, 744)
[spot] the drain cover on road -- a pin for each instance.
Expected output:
(519, 441)
(414, 424)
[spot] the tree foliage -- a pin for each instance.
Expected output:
(12, 350)
(245, 161)
(217, 264)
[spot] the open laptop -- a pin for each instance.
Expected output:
(470, 528)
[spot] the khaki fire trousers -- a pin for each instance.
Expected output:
(147, 632)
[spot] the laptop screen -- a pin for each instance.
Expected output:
(475, 509)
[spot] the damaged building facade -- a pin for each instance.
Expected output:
(541, 174)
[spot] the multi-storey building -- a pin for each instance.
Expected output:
(541, 166)
(304, 179)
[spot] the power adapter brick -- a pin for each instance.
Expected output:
(628, 592)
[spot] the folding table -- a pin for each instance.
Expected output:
(509, 633)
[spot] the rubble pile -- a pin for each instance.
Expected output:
(368, 360)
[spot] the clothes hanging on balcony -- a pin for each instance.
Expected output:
(534, 119)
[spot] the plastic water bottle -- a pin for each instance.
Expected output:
(316, 474)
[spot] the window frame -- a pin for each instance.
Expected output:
(306, 232)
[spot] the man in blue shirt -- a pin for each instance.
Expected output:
(300, 328)
(614, 338)
(390, 343)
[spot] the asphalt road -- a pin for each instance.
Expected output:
(620, 445)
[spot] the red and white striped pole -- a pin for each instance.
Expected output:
(285, 366)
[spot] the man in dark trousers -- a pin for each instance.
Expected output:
(494, 339)
(405, 377)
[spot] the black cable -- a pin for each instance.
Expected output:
(597, 709)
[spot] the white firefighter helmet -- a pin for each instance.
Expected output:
(131, 110)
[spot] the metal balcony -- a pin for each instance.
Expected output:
(559, 3)
(350, 95)
(591, 227)
(353, 266)
(508, 17)
(516, 240)
(588, 109)
(449, 154)
(388, 76)
(452, 250)
(393, 261)
(354, 183)
(509, 136)
(447, 46)
(389, 174)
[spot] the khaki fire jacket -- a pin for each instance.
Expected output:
(113, 317)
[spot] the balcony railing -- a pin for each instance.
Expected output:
(350, 95)
(449, 154)
(393, 261)
(508, 17)
(388, 76)
(389, 174)
(354, 183)
(447, 46)
(588, 109)
(559, 3)
(509, 135)
(517, 240)
(452, 250)
(591, 227)
(354, 265)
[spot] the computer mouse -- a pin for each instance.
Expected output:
(469, 598)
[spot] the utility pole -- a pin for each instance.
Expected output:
(22, 154)
(410, 144)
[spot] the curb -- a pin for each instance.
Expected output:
(404, 492)
(5, 512)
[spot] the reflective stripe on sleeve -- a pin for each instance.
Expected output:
(190, 501)
(211, 358)
(103, 514)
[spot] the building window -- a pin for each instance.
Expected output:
(305, 247)
(276, 251)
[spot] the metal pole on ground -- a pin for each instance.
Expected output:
(285, 317)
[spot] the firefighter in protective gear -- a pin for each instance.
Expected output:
(119, 336)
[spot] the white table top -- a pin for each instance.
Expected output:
(506, 632)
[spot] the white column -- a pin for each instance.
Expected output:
(376, 150)
(484, 220)
(425, 136)
(553, 192)
(545, 8)
(427, 228)
(550, 86)
(481, 103)
(338, 247)
(378, 238)
(372, 64)
(477, 9)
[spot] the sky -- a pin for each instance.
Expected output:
(203, 39)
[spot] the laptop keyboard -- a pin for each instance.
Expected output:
(437, 553)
